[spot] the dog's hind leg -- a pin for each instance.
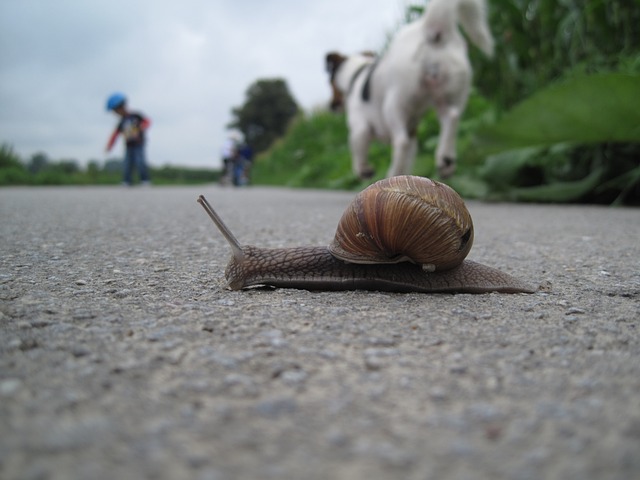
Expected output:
(449, 117)
(359, 140)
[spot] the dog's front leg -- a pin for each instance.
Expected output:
(359, 140)
(449, 117)
(405, 148)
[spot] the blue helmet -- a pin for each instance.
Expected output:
(115, 100)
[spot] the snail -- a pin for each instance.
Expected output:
(401, 234)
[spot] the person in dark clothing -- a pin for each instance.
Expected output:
(244, 161)
(132, 126)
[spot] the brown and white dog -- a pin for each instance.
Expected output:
(426, 65)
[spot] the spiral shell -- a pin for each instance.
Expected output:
(405, 218)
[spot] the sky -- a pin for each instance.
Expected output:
(185, 64)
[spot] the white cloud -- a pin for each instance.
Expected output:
(185, 64)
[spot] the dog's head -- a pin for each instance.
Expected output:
(333, 60)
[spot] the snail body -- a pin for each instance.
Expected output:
(401, 234)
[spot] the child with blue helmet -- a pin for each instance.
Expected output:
(132, 126)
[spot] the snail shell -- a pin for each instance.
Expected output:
(405, 218)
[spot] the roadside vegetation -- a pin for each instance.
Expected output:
(554, 117)
(40, 170)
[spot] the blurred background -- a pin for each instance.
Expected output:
(553, 117)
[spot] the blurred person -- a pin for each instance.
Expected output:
(229, 153)
(243, 164)
(132, 126)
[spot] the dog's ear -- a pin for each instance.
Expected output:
(332, 61)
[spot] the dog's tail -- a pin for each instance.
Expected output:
(443, 16)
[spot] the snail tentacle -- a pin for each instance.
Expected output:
(236, 248)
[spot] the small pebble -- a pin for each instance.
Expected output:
(10, 386)
(575, 310)
(294, 377)
(373, 363)
(225, 302)
(79, 351)
(276, 407)
(382, 341)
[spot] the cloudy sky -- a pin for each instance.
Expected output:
(183, 63)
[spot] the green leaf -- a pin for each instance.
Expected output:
(559, 191)
(585, 109)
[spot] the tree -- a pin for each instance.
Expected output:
(67, 166)
(266, 113)
(8, 157)
(12, 171)
(39, 161)
(112, 165)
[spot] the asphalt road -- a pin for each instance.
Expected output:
(123, 355)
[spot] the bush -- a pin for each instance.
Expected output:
(16, 175)
(8, 158)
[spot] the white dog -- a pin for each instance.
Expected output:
(426, 65)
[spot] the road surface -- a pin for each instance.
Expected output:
(124, 356)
